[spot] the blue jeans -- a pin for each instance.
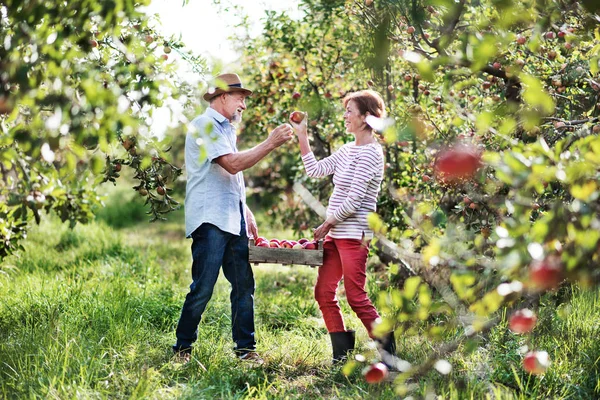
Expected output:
(211, 249)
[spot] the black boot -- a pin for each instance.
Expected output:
(387, 350)
(342, 343)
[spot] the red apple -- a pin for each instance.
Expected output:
(117, 167)
(522, 321)
(274, 244)
(407, 77)
(309, 246)
(263, 244)
(561, 34)
(302, 241)
(549, 35)
(536, 362)
(286, 244)
(296, 95)
(160, 190)
(521, 39)
(410, 30)
(457, 163)
(297, 117)
(375, 373)
(546, 274)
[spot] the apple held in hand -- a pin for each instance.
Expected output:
(297, 117)
(522, 321)
(456, 164)
(536, 362)
(375, 373)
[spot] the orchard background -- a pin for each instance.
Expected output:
(476, 275)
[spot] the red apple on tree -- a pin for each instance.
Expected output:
(522, 321)
(546, 274)
(521, 39)
(375, 373)
(536, 362)
(296, 95)
(457, 163)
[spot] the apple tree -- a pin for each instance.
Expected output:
(79, 81)
(491, 186)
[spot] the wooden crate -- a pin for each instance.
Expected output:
(274, 255)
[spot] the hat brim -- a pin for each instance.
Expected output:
(219, 91)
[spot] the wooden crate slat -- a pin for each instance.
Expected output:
(285, 256)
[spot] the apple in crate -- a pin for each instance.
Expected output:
(297, 246)
(259, 240)
(264, 243)
(309, 246)
(303, 240)
(286, 244)
(274, 243)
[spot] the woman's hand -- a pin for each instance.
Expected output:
(324, 228)
(299, 127)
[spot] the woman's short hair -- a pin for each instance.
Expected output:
(367, 101)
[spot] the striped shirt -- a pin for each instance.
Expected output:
(357, 175)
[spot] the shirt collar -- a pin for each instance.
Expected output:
(211, 112)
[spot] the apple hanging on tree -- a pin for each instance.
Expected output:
(546, 274)
(522, 321)
(457, 163)
(536, 362)
(375, 373)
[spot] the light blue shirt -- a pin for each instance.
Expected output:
(212, 195)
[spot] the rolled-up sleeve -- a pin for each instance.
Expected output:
(212, 138)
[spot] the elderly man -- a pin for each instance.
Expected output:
(217, 218)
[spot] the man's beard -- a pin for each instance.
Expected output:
(236, 118)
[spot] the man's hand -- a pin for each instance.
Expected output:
(252, 228)
(280, 135)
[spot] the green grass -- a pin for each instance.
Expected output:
(90, 313)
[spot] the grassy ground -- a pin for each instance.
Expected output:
(91, 312)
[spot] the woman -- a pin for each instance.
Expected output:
(357, 169)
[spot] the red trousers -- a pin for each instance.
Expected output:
(344, 258)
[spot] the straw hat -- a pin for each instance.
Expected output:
(232, 83)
